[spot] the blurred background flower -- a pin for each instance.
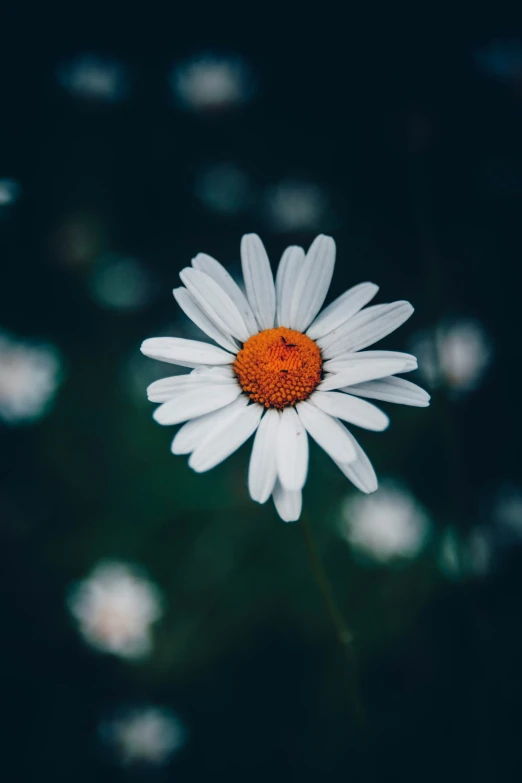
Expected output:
(30, 374)
(295, 206)
(210, 82)
(120, 283)
(9, 192)
(115, 608)
(454, 355)
(385, 526)
(144, 736)
(92, 77)
(507, 509)
(501, 58)
(224, 188)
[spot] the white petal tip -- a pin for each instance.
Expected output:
(370, 490)
(249, 238)
(177, 447)
(197, 468)
(157, 416)
(291, 487)
(288, 517)
(424, 400)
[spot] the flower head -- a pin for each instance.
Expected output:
(115, 608)
(283, 369)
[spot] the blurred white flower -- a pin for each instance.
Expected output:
(224, 188)
(295, 206)
(30, 375)
(387, 525)
(115, 608)
(209, 83)
(92, 77)
(454, 354)
(119, 283)
(9, 192)
(148, 735)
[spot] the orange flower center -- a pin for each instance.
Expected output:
(278, 367)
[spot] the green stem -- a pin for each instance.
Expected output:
(343, 633)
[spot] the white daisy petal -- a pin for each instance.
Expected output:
(291, 262)
(360, 472)
(224, 371)
(191, 434)
(262, 469)
(363, 371)
(367, 327)
(192, 309)
(196, 402)
(259, 281)
(351, 409)
(344, 307)
(392, 390)
(346, 360)
(186, 353)
(215, 302)
(288, 504)
(226, 439)
(167, 388)
(328, 432)
(292, 451)
(217, 272)
(313, 282)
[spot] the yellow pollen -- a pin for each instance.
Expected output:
(278, 367)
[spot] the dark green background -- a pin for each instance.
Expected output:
(420, 153)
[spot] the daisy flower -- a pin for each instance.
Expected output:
(281, 369)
